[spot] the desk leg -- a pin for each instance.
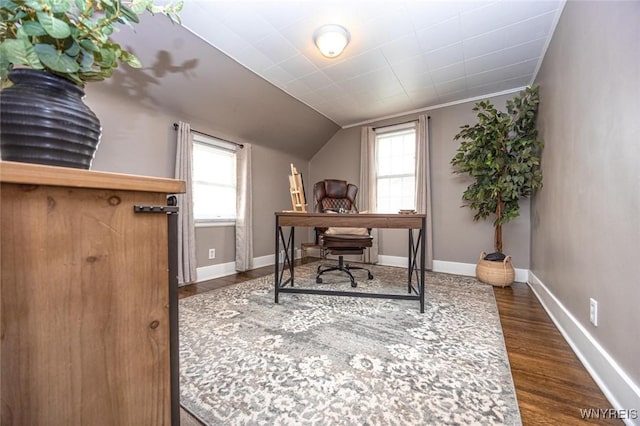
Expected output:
(292, 247)
(277, 255)
(288, 249)
(410, 265)
(423, 244)
(417, 249)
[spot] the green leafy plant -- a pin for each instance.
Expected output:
(70, 38)
(501, 152)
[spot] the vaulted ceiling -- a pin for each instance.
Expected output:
(249, 70)
(403, 55)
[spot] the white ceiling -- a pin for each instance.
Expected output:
(403, 55)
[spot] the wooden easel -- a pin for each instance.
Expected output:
(296, 188)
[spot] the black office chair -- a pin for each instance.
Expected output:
(338, 196)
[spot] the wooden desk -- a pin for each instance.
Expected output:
(410, 222)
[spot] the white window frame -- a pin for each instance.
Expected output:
(385, 132)
(199, 139)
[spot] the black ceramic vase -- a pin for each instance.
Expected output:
(43, 120)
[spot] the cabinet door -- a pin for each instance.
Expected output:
(84, 308)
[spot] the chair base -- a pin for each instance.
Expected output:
(341, 266)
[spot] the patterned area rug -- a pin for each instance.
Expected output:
(328, 360)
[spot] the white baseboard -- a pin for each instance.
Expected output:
(259, 262)
(398, 261)
(468, 269)
(270, 259)
(617, 386)
(205, 273)
(457, 268)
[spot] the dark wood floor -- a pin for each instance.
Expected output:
(551, 384)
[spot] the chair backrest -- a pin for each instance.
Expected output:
(333, 194)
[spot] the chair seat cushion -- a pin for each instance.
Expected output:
(342, 252)
(347, 231)
(346, 241)
(342, 230)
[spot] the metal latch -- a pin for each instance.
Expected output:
(155, 209)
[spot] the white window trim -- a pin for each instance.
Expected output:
(227, 146)
(396, 128)
(211, 141)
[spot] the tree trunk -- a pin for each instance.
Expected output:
(498, 234)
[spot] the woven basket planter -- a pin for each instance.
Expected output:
(499, 274)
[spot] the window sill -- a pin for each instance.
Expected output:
(215, 223)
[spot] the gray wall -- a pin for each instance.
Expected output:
(270, 191)
(136, 139)
(586, 219)
(456, 237)
(184, 78)
(185, 75)
(339, 158)
(220, 238)
(140, 139)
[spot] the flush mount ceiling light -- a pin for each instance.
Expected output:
(331, 39)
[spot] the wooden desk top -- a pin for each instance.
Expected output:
(360, 220)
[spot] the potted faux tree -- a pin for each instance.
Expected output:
(49, 50)
(501, 152)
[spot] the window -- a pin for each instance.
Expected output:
(396, 168)
(214, 179)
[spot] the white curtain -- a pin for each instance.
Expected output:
(423, 184)
(367, 190)
(244, 220)
(186, 228)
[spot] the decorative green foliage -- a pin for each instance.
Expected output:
(70, 38)
(501, 152)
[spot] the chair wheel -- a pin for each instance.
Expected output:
(318, 280)
(370, 276)
(354, 284)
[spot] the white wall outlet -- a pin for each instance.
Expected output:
(593, 311)
(212, 253)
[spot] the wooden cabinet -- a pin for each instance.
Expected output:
(84, 298)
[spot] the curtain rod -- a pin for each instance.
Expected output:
(397, 124)
(175, 127)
